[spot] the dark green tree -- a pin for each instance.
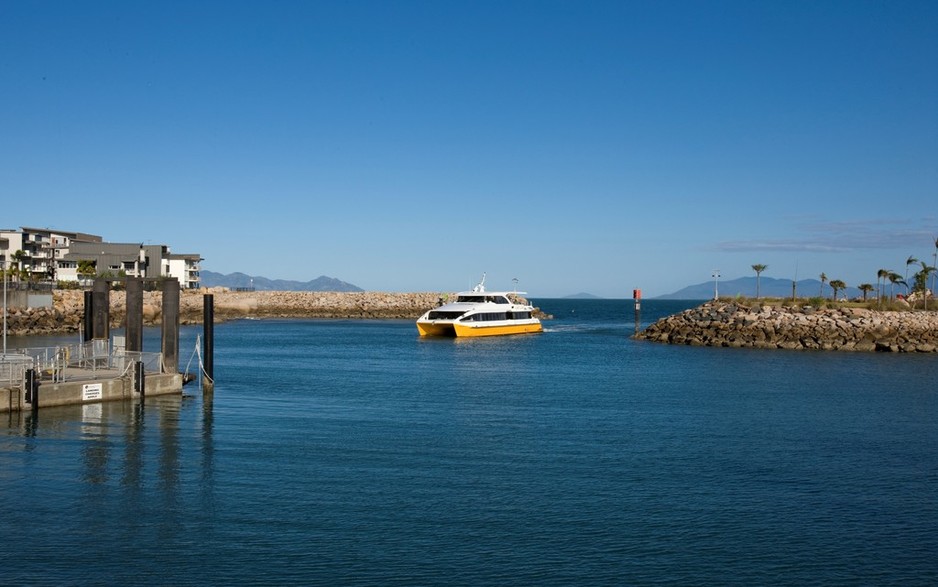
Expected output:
(894, 278)
(837, 285)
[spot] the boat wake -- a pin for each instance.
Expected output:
(591, 329)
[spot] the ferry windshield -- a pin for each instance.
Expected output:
(480, 299)
(471, 299)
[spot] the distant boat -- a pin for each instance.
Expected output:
(480, 313)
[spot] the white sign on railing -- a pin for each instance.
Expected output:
(91, 392)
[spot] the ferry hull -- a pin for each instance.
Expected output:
(460, 330)
(497, 330)
(435, 329)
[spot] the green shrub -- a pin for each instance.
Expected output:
(887, 306)
(818, 302)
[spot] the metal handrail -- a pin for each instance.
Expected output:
(55, 362)
(13, 369)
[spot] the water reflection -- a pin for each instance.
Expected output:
(208, 418)
(127, 456)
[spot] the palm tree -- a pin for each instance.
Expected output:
(19, 256)
(865, 288)
(908, 262)
(894, 278)
(758, 268)
(823, 279)
(837, 285)
(921, 281)
(934, 264)
(881, 275)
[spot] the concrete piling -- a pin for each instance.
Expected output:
(101, 310)
(133, 317)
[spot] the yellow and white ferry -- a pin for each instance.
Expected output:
(480, 313)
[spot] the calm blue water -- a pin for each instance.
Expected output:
(356, 453)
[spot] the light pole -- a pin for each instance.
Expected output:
(3, 268)
(716, 280)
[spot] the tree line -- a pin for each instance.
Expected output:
(918, 288)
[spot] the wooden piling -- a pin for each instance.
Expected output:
(208, 342)
(32, 388)
(140, 378)
(88, 317)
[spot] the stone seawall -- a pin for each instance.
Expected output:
(68, 307)
(765, 326)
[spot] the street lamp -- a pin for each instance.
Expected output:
(3, 267)
(716, 280)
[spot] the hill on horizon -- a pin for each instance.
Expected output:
(259, 283)
(770, 287)
(582, 296)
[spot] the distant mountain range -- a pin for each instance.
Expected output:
(241, 280)
(768, 287)
(744, 286)
(582, 296)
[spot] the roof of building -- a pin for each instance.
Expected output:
(79, 236)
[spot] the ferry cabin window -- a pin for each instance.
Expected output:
(437, 315)
(486, 317)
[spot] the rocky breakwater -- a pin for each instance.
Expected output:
(797, 327)
(58, 318)
(68, 307)
(320, 304)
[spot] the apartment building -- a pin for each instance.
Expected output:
(36, 252)
(51, 255)
(185, 268)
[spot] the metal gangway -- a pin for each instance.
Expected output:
(93, 359)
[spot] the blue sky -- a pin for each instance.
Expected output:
(411, 146)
